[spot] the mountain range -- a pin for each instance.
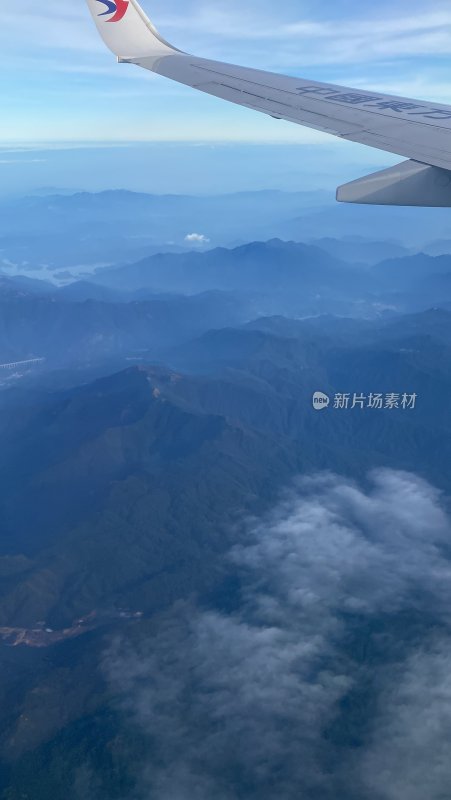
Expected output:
(65, 232)
(173, 545)
(139, 310)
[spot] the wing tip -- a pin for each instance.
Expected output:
(127, 31)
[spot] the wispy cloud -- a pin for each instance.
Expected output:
(339, 587)
(6, 161)
(408, 754)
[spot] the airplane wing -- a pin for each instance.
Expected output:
(418, 130)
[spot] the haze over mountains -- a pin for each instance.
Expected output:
(139, 310)
(71, 232)
(248, 598)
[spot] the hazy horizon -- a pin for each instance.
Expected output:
(182, 168)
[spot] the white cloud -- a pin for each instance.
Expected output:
(408, 757)
(196, 238)
(249, 702)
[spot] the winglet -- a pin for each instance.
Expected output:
(127, 31)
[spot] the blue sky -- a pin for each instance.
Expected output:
(59, 84)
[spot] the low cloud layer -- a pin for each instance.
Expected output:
(331, 676)
(409, 755)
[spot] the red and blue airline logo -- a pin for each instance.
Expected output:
(116, 7)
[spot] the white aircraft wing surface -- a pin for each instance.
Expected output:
(418, 130)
